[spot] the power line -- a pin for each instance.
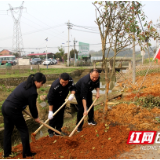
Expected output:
(3, 12)
(84, 27)
(31, 32)
(85, 31)
(56, 46)
(52, 47)
(45, 31)
(143, 30)
(35, 23)
(73, 25)
(39, 20)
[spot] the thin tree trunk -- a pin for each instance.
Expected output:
(113, 68)
(107, 84)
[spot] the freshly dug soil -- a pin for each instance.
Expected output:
(105, 140)
(135, 117)
(149, 81)
(92, 142)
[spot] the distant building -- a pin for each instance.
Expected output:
(5, 52)
(40, 54)
(50, 55)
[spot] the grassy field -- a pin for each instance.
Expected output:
(27, 72)
(6, 90)
(4, 93)
(143, 72)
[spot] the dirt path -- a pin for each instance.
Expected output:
(142, 152)
(61, 65)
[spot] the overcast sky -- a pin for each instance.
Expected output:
(42, 19)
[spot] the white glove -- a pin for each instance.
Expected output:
(50, 115)
(71, 96)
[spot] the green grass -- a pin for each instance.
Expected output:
(147, 61)
(4, 88)
(143, 72)
(1, 125)
(43, 89)
(1, 104)
(38, 99)
(26, 73)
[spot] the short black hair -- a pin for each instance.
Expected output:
(64, 76)
(94, 70)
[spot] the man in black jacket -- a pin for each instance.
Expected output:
(56, 97)
(83, 96)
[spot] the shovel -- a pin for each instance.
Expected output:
(82, 118)
(48, 119)
(45, 124)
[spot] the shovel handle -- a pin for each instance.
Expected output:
(82, 118)
(44, 123)
(51, 128)
(53, 115)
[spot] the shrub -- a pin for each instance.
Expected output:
(149, 102)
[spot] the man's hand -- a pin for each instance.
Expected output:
(71, 96)
(50, 115)
(37, 120)
(97, 95)
(85, 112)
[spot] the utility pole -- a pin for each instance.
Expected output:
(74, 52)
(17, 41)
(68, 55)
(63, 47)
(134, 57)
(46, 51)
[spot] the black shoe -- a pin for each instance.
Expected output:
(8, 155)
(5, 156)
(79, 129)
(50, 134)
(29, 155)
(92, 123)
(63, 134)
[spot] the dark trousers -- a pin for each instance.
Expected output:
(81, 108)
(57, 121)
(13, 116)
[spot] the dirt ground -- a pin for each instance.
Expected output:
(102, 141)
(142, 152)
(108, 138)
(60, 65)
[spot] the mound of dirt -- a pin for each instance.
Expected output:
(150, 80)
(135, 117)
(92, 142)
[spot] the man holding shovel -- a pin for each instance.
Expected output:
(56, 97)
(83, 96)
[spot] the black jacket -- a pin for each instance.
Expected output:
(20, 97)
(86, 85)
(57, 93)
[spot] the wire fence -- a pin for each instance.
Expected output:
(142, 72)
(81, 63)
